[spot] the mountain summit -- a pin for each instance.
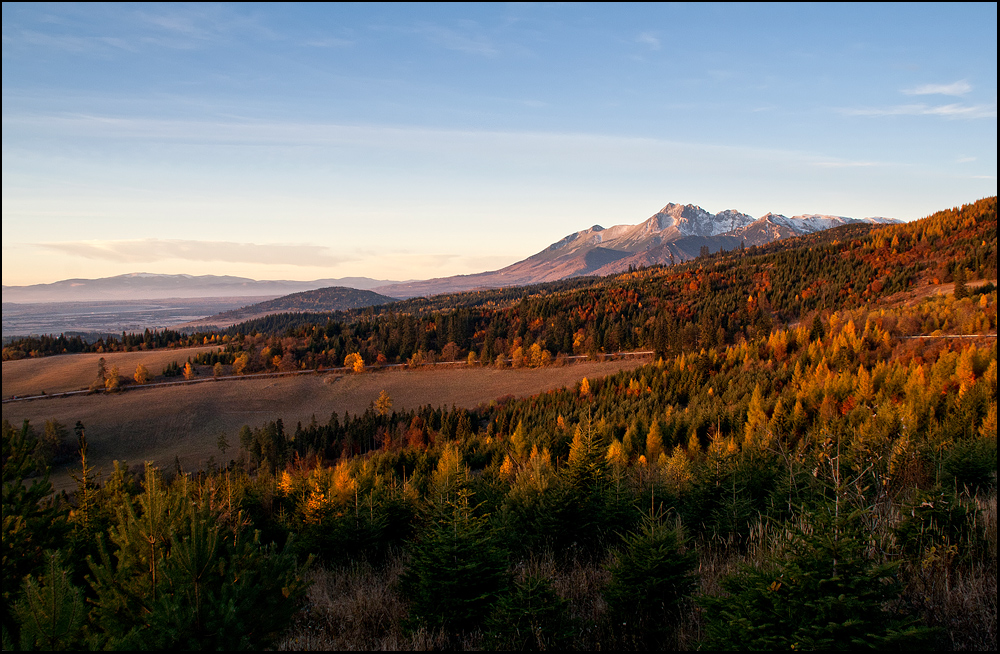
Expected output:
(675, 233)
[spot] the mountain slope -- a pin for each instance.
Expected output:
(674, 234)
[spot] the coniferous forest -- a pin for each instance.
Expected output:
(809, 462)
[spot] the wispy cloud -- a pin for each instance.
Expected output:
(846, 164)
(954, 110)
(155, 249)
(649, 40)
(960, 87)
(106, 31)
(470, 39)
(76, 44)
(498, 148)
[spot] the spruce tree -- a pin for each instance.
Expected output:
(31, 522)
(652, 575)
(456, 570)
(821, 591)
(51, 612)
(531, 617)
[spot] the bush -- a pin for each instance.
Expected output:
(938, 524)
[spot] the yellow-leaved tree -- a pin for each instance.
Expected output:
(354, 362)
(141, 375)
(383, 405)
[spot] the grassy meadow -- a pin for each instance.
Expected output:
(164, 424)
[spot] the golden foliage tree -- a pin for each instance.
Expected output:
(354, 362)
(383, 405)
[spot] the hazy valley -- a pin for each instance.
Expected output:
(675, 234)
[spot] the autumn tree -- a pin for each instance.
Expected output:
(383, 405)
(141, 375)
(354, 362)
(113, 380)
(517, 358)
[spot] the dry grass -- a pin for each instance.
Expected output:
(960, 600)
(159, 424)
(357, 608)
(73, 372)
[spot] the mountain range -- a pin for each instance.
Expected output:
(674, 234)
(149, 286)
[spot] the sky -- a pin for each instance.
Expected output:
(420, 140)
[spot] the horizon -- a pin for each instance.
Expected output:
(402, 142)
(141, 273)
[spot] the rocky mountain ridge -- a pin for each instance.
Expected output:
(674, 234)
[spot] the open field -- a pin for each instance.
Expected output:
(72, 372)
(157, 424)
(926, 288)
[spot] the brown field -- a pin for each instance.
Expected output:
(158, 424)
(72, 372)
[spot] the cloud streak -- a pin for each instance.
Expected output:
(568, 147)
(960, 87)
(647, 39)
(154, 249)
(462, 41)
(954, 111)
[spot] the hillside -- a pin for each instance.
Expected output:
(336, 298)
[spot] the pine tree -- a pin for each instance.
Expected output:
(820, 592)
(531, 617)
(31, 522)
(175, 579)
(961, 290)
(51, 612)
(652, 575)
(456, 570)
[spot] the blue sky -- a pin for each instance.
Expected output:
(416, 141)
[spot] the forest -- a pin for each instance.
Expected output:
(810, 463)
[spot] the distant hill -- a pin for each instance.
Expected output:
(149, 286)
(674, 234)
(336, 298)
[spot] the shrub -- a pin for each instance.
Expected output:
(936, 524)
